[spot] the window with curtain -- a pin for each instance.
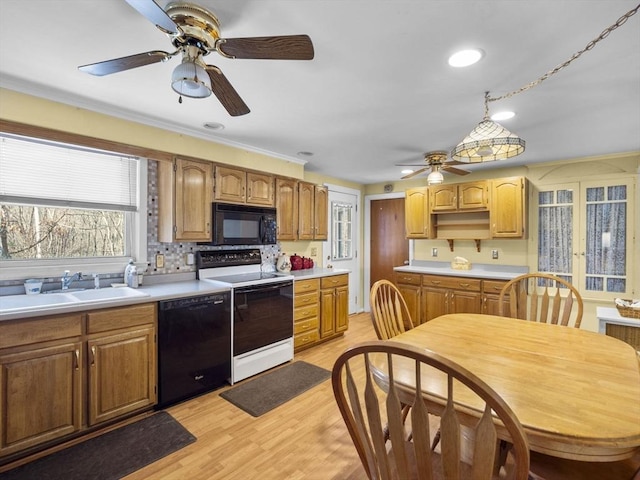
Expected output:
(584, 235)
(64, 201)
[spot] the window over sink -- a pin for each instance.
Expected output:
(63, 204)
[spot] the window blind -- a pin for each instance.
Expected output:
(38, 172)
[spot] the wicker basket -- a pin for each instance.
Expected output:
(628, 312)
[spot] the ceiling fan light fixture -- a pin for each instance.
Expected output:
(435, 177)
(487, 142)
(191, 79)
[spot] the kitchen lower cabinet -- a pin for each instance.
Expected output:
(306, 313)
(41, 395)
(490, 297)
(334, 305)
(443, 294)
(65, 374)
(409, 285)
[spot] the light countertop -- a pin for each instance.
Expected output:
(480, 270)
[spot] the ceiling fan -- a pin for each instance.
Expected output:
(437, 162)
(195, 32)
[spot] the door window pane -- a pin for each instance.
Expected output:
(341, 231)
(555, 232)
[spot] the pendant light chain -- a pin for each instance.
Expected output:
(589, 46)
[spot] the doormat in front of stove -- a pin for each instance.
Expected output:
(262, 394)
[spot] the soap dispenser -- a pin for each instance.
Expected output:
(131, 275)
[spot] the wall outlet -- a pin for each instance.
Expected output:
(494, 254)
(434, 252)
(314, 251)
(190, 259)
(159, 260)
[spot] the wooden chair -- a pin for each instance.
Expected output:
(389, 312)
(541, 297)
(366, 408)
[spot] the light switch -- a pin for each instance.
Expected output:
(434, 252)
(190, 259)
(494, 254)
(159, 260)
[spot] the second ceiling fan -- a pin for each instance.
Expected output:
(436, 163)
(195, 32)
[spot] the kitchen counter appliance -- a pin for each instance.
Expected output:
(194, 346)
(242, 225)
(261, 309)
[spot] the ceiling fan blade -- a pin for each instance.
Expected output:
(225, 92)
(454, 162)
(290, 47)
(124, 63)
(417, 172)
(455, 170)
(155, 14)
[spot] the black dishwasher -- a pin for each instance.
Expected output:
(194, 346)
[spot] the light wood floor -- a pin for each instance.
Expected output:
(303, 439)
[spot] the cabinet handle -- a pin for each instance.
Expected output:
(465, 285)
(93, 356)
(77, 359)
(434, 282)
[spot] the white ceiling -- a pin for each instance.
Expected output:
(379, 91)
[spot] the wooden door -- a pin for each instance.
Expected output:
(41, 395)
(122, 375)
(287, 208)
(193, 184)
(305, 210)
(388, 245)
(230, 185)
(260, 189)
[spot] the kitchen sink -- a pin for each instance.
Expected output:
(107, 294)
(12, 302)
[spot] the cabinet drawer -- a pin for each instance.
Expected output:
(409, 278)
(334, 281)
(305, 338)
(305, 300)
(304, 286)
(307, 311)
(306, 325)
(115, 318)
(456, 283)
(34, 330)
(493, 286)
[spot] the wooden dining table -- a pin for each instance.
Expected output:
(576, 392)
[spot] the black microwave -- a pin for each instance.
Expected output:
(243, 225)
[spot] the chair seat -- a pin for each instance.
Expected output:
(551, 468)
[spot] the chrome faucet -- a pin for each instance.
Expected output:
(67, 280)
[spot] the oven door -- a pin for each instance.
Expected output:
(262, 315)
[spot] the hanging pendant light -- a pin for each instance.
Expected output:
(435, 177)
(488, 141)
(190, 77)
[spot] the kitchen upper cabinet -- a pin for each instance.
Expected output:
(287, 208)
(312, 211)
(234, 185)
(184, 200)
(508, 207)
(470, 196)
(417, 217)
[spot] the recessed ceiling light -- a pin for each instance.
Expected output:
(464, 58)
(406, 171)
(502, 116)
(213, 126)
(305, 154)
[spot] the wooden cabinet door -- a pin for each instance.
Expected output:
(230, 185)
(287, 208)
(409, 286)
(464, 302)
(193, 190)
(305, 210)
(508, 212)
(417, 217)
(434, 302)
(342, 309)
(443, 198)
(321, 213)
(40, 395)
(260, 189)
(327, 312)
(473, 196)
(121, 373)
